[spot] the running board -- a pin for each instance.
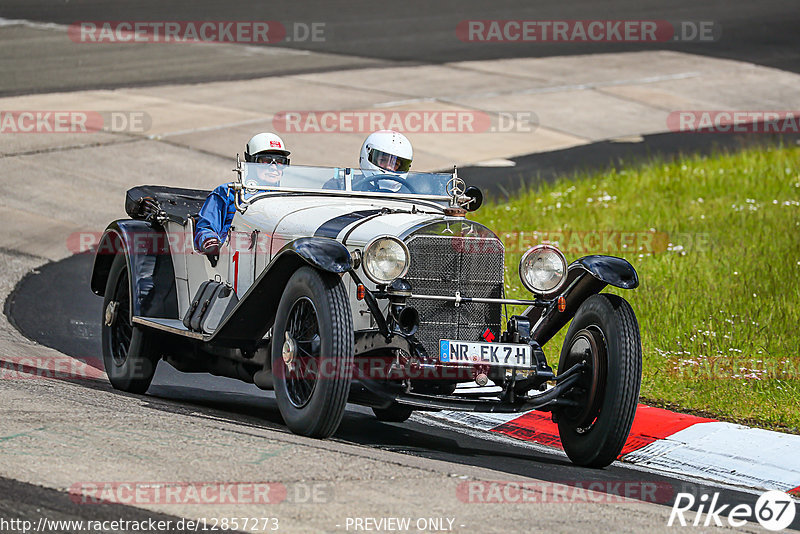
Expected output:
(173, 326)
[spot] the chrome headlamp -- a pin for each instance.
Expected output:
(385, 258)
(543, 269)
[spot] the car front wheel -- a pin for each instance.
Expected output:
(312, 353)
(605, 336)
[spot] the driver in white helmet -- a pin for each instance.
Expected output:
(216, 215)
(385, 152)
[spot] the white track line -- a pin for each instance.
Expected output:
(715, 452)
(729, 453)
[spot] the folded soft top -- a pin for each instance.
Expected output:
(178, 204)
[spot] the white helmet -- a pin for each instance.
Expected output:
(386, 151)
(265, 142)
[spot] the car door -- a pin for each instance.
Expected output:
(241, 255)
(199, 267)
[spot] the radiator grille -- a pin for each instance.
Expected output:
(442, 265)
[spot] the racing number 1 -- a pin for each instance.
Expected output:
(235, 260)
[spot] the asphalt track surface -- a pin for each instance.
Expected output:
(54, 306)
(20, 501)
(368, 33)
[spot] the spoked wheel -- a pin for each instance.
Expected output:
(588, 347)
(604, 335)
(129, 353)
(312, 355)
(301, 352)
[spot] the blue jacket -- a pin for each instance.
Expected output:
(215, 217)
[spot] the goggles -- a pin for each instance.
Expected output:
(276, 159)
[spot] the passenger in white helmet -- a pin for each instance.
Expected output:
(217, 213)
(267, 148)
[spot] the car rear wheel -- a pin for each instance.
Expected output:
(312, 353)
(605, 335)
(129, 353)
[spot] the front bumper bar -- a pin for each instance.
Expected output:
(544, 401)
(388, 393)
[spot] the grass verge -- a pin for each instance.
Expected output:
(716, 243)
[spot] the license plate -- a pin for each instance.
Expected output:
(479, 353)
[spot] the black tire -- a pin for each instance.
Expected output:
(129, 352)
(605, 333)
(312, 394)
(396, 413)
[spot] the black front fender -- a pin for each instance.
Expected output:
(151, 273)
(611, 270)
(585, 277)
(320, 252)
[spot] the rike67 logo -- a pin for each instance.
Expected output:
(774, 510)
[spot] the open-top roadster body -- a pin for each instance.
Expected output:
(349, 286)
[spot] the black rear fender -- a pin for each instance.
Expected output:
(147, 253)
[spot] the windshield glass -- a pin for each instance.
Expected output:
(271, 176)
(274, 177)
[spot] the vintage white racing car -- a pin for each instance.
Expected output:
(339, 285)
